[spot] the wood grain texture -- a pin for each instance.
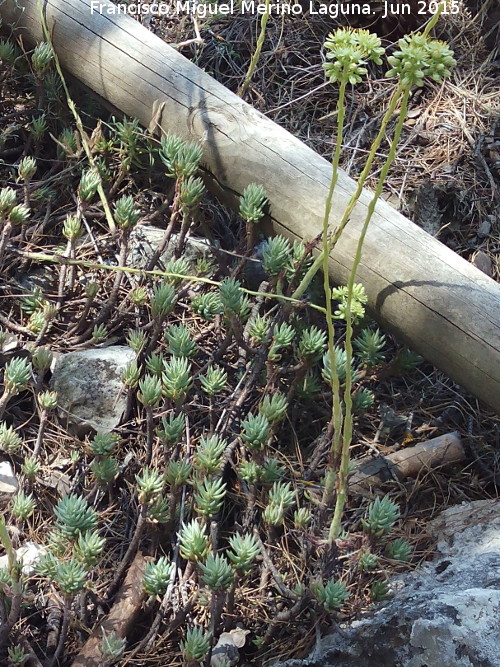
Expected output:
(438, 303)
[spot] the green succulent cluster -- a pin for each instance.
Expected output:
(233, 299)
(74, 546)
(173, 428)
(181, 159)
(195, 645)
(281, 498)
(157, 576)
(255, 430)
(177, 473)
(244, 549)
(331, 596)
(126, 213)
(382, 515)
(176, 378)
(208, 456)
(193, 542)
(179, 341)
(17, 375)
(216, 572)
(105, 466)
(214, 380)
(10, 440)
(209, 496)
(274, 407)
(252, 203)
(369, 345)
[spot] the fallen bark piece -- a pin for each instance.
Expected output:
(120, 619)
(438, 303)
(409, 462)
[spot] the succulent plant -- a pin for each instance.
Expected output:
(193, 542)
(23, 506)
(209, 496)
(331, 596)
(255, 430)
(399, 549)
(173, 428)
(180, 343)
(214, 380)
(382, 514)
(208, 456)
(157, 576)
(274, 407)
(88, 548)
(216, 572)
(244, 550)
(70, 576)
(150, 483)
(196, 645)
(367, 561)
(252, 203)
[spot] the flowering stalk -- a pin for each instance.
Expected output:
(335, 383)
(335, 527)
(258, 48)
(419, 56)
(319, 261)
(349, 51)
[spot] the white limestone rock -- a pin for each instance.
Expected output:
(89, 387)
(445, 614)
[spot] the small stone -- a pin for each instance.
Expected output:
(8, 481)
(484, 229)
(144, 241)
(30, 554)
(89, 387)
(482, 262)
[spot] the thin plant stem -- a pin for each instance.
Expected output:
(16, 596)
(334, 378)
(60, 259)
(335, 527)
(320, 259)
(4, 239)
(149, 433)
(4, 399)
(79, 124)
(64, 632)
(258, 48)
(41, 433)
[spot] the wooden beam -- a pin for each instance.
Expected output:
(438, 303)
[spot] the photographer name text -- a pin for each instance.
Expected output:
(239, 7)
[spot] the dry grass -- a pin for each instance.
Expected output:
(445, 144)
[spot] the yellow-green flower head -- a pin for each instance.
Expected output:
(370, 45)
(343, 37)
(348, 65)
(350, 50)
(441, 60)
(419, 57)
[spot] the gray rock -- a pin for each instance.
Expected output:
(445, 614)
(145, 240)
(89, 387)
